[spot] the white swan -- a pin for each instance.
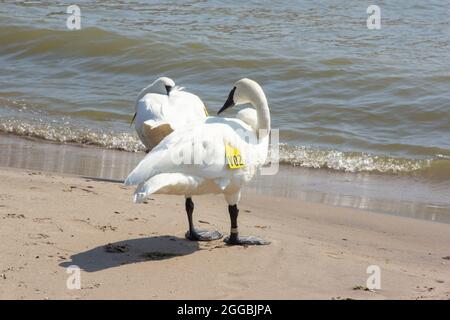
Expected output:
(249, 116)
(219, 155)
(163, 107)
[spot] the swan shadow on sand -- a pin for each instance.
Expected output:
(131, 251)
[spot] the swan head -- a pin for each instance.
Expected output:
(163, 85)
(244, 91)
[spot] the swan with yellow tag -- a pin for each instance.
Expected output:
(163, 107)
(219, 155)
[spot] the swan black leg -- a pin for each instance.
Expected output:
(234, 238)
(194, 234)
(189, 204)
(234, 235)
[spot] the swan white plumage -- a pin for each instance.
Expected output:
(249, 116)
(193, 160)
(163, 107)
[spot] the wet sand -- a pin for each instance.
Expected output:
(50, 222)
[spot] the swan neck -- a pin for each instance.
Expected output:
(151, 88)
(263, 114)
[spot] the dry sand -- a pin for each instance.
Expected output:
(49, 222)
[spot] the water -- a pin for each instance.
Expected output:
(343, 97)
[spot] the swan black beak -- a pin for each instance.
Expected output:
(229, 103)
(168, 89)
(132, 120)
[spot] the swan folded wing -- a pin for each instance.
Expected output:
(155, 131)
(149, 109)
(187, 109)
(173, 183)
(248, 115)
(198, 151)
(152, 106)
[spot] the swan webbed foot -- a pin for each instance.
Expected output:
(245, 241)
(234, 239)
(203, 235)
(198, 234)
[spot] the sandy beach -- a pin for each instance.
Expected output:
(128, 251)
(349, 105)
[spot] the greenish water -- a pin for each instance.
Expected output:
(343, 97)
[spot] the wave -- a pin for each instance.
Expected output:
(64, 133)
(436, 167)
(347, 161)
(26, 42)
(92, 49)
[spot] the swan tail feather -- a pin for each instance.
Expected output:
(172, 183)
(146, 169)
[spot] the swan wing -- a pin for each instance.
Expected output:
(149, 109)
(249, 116)
(198, 151)
(177, 110)
(185, 109)
(178, 183)
(155, 131)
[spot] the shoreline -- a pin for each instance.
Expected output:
(130, 251)
(359, 134)
(389, 194)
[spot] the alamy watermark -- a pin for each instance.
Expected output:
(374, 280)
(73, 22)
(73, 282)
(259, 150)
(374, 20)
